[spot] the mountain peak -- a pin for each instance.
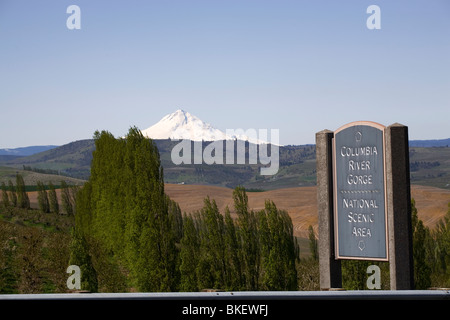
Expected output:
(183, 125)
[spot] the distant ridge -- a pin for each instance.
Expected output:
(429, 143)
(25, 151)
(28, 151)
(430, 166)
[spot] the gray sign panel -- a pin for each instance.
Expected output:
(360, 208)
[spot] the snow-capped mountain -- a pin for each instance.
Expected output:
(183, 125)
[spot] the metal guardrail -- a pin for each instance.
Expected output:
(443, 294)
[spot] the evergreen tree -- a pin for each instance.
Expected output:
(66, 198)
(22, 197)
(123, 205)
(176, 219)
(248, 237)
(43, 198)
(53, 199)
(439, 249)
(84, 219)
(233, 278)
(213, 249)
(190, 248)
(156, 252)
(5, 197)
(79, 256)
(12, 193)
(422, 270)
(279, 253)
(354, 274)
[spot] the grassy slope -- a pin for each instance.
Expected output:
(31, 178)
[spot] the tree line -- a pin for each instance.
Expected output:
(38, 170)
(255, 251)
(122, 210)
(16, 196)
(431, 252)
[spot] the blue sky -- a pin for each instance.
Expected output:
(297, 66)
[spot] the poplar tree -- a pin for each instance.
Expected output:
(43, 198)
(422, 269)
(12, 193)
(80, 256)
(152, 251)
(213, 249)
(5, 197)
(278, 249)
(124, 207)
(233, 278)
(439, 251)
(66, 198)
(176, 219)
(22, 197)
(53, 199)
(248, 237)
(189, 253)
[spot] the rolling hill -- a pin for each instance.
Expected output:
(297, 166)
(72, 159)
(429, 166)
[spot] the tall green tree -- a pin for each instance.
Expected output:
(5, 197)
(248, 236)
(80, 256)
(422, 269)
(354, 274)
(66, 198)
(22, 197)
(233, 277)
(123, 205)
(189, 253)
(212, 257)
(53, 199)
(148, 228)
(176, 219)
(12, 193)
(43, 202)
(279, 254)
(439, 251)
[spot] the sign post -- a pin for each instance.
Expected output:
(364, 201)
(401, 264)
